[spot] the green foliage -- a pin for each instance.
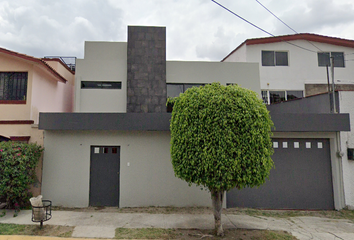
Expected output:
(221, 137)
(17, 165)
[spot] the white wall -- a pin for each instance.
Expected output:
(303, 65)
(347, 141)
(148, 181)
(240, 55)
(103, 61)
(244, 74)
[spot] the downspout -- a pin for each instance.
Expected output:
(340, 153)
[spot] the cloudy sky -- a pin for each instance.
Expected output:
(196, 29)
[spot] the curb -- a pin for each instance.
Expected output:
(24, 237)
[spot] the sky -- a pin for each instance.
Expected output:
(197, 30)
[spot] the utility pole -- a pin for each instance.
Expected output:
(329, 91)
(333, 87)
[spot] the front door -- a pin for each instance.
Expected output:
(104, 176)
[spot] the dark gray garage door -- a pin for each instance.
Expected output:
(302, 178)
(104, 176)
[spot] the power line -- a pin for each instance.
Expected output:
(260, 28)
(243, 19)
(285, 23)
(276, 16)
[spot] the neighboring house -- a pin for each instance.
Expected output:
(114, 150)
(28, 86)
(294, 66)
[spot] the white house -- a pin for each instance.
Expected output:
(294, 66)
(114, 150)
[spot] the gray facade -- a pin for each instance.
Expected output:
(318, 104)
(283, 122)
(146, 78)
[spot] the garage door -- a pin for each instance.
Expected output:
(302, 178)
(104, 176)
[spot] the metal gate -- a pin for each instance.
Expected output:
(302, 178)
(104, 176)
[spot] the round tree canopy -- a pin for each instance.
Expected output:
(221, 137)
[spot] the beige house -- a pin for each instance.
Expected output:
(28, 86)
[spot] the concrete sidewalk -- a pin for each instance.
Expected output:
(103, 224)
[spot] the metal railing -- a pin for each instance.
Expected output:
(68, 61)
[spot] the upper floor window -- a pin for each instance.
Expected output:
(270, 97)
(13, 86)
(174, 89)
(101, 85)
(274, 58)
(324, 59)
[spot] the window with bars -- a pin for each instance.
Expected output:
(13, 86)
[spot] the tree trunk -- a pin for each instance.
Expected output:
(217, 198)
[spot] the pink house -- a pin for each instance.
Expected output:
(30, 85)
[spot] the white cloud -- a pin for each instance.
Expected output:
(196, 30)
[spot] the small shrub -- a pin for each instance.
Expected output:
(18, 162)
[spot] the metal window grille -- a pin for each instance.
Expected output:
(13, 85)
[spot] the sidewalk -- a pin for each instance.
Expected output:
(103, 224)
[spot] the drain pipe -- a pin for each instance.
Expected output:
(340, 153)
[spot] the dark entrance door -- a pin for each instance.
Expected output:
(302, 178)
(104, 176)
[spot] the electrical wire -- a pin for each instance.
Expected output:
(285, 23)
(275, 16)
(260, 28)
(243, 18)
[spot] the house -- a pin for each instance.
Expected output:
(294, 66)
(114, 150)
(28, 86)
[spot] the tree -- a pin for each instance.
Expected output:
(221, 139)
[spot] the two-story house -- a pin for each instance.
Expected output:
(295, 66)
(28, 86)
(114, 150)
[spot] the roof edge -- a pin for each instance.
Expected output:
(300, 36)
(35, 60)
(239, 46)
(58, 60)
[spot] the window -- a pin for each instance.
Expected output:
(277, 96)
(101, 85)
(270, 97)
(324, 59)
(13, 86)
(293, 95)
(265, 97)
(174, 89)
(273, 58)
(350, 153)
